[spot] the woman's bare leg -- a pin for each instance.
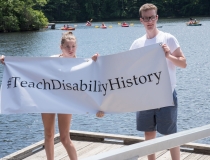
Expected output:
(49, 129)
(64, 121)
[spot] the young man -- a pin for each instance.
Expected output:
(163, 120)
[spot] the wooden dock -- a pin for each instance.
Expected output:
(90, 143)
(52, 25)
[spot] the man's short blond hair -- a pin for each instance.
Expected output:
(146, 7)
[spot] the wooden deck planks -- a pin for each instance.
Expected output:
(78, 145)
(158, 154)
(41, 154)
(184, 155)
(193, 156)
(94, 149)
(86, 149)
(88, 144)
(165, 155)
(205, 157)
(104, 148)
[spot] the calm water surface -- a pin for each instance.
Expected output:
(19, 131)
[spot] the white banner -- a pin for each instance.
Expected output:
(125, 82)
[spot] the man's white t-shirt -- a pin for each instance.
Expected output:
(164, 38)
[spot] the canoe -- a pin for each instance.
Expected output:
(71, 28)
(103, 27)
(125, 25)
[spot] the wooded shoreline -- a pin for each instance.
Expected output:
(29, 15)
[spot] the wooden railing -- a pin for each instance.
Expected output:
(137, 150)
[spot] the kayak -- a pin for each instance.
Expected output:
(194, 24)
(71, 28)
(103, 27)
(125, 25)
(88, 24)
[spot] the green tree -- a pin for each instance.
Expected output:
(20, 15)
(83, 10)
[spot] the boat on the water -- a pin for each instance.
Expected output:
(70, 28)
(103, 27)
(125, 25)
(88, 24)
(197, 23)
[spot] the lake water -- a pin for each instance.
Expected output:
(19, 131)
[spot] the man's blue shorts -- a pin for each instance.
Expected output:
(163, 120)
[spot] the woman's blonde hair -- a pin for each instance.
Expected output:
(146, 7)
(67, 35)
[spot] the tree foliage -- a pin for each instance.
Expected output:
(21, 15)
(82, 10)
